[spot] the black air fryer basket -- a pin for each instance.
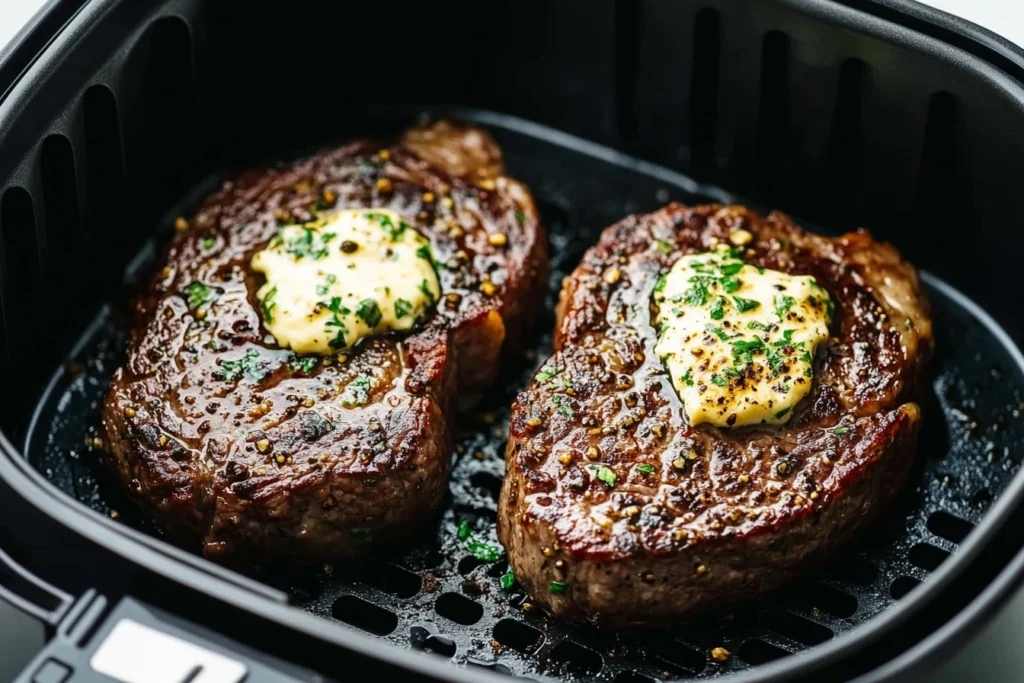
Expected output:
(117, 116)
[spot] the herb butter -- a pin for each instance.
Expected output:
(738, 341)
(343, 277)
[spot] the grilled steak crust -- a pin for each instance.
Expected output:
(756, 505)
(277, 465)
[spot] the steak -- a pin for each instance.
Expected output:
(257, 453)
(615, 511)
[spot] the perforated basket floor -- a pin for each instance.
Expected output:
(438, 598)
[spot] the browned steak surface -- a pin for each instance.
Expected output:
(702, 517)
(230, 439)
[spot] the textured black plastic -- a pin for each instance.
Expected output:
(438, 597)
(828, 111)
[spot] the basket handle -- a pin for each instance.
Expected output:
(31, 594)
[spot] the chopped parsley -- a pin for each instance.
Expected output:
(731, 268)
(357, 392)
(755, 325)
(250, 365)
(698, 294)
(717, 331)
(485, 552)
(464, 531)
(688, 378)
(326, 287)
(303, 364)
(730, 284)
(841, 430)
(267, 305)
(782, 413)
(603, 473)
(782, 305)
(208, 243)
(744, 305)
(645, 468)
(507, 580)
(563, 408)
(545, 375)
(424, 253)
(385, 222)
(197, 294)
(403, 307)
(335, 307)
(776, 361)
(369, 311)
(660, 284)
(718, 309)
(520, 217)
(425, 288)
(663, 246)
(718, 380)
(558, 587)
(305, 244)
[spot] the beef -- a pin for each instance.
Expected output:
(274, 463)
(703, 517)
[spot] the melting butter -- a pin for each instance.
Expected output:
(738, 341)
(343, 277)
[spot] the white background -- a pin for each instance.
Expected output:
(994, 656)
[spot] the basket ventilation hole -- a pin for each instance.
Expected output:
(927, 557)
(757, 651)
(818, 596)
(426, 638)
(704, 87)
(842, 156)
(18, 231)
(103, 164)
(390, 579)
(855, 570)
(575, 660)
(902, 585)
(773, 117)
(60, 209)
(459, 609)
(518, 636)
(945, 525)
(633, 677)
(797, 628)
(364, 615)
(982, 498)
(487, 482)
(680, 659)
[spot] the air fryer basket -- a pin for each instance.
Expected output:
(838, 117)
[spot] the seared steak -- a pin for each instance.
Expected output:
(228, 438)
(617, 512)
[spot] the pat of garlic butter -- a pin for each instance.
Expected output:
(738, 341)
(343, 277)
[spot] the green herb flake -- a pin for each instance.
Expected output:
(385, 222)
(563, 409)
(646, 469)
(782, 413)
(208, 243)
(424, 253)
(507, 580)
(545, 375)
(425, 289)
(717, 331)
(520, 217)
(730, 284)
(558, 587)
(197, 294)
(358, 391)
(841, 430)
(660, 284)
(267, 305)
(369, 311)
(664, 247)
(731, 268)
(755, 325)
(688, 378)
(744, 305)
(464, 531)
(485, 552)
(403, 307)
(696, 295)
(250, 365)
(718, 309)
(782, 305)
(719, 381)
(603, 473)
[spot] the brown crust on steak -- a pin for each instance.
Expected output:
(749, 508)
(278, 465)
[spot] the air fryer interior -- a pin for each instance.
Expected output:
(782, 108)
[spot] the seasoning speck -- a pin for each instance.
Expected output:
(720, 655)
